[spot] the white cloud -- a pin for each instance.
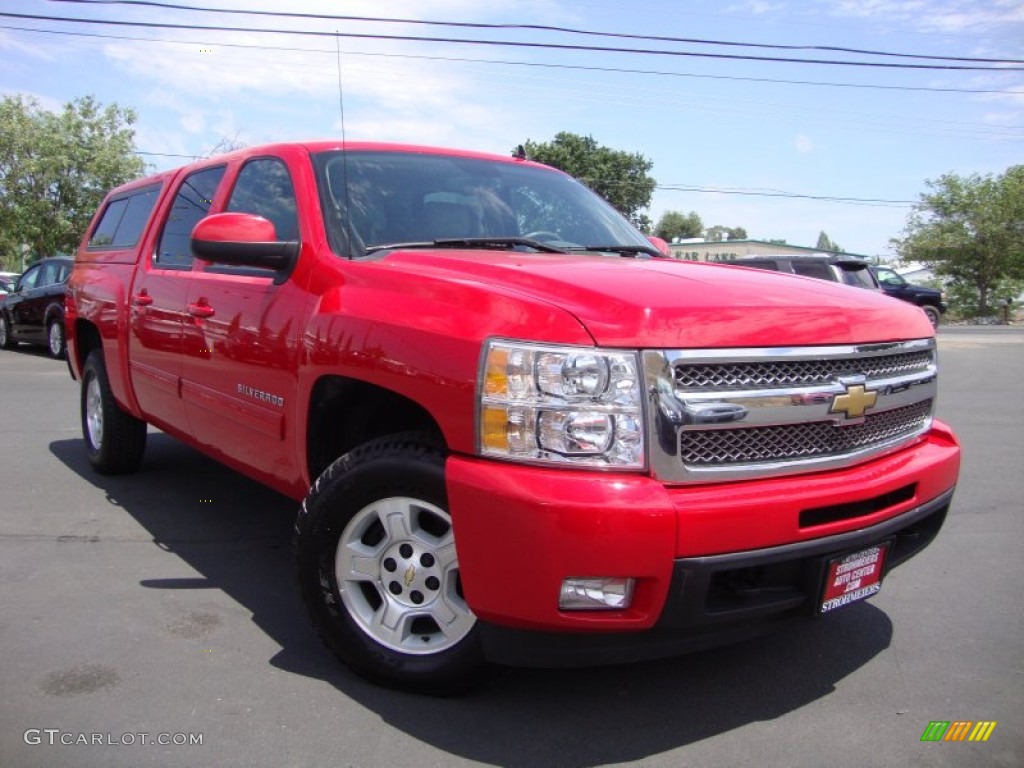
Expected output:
(192, 122)
(286, 79)
(803, 144)
(945, 16)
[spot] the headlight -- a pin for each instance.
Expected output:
(563, 405)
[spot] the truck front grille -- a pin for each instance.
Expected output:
(800, 441)
(737, 413)
(798, 373)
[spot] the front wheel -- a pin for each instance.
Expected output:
(378, 569)
(933, 314)
(115, 441)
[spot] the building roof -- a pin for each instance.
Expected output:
(747, 241)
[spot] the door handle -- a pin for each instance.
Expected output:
(200, 310)
(142, 300)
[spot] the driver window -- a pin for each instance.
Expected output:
(264, 187)
(47, 274)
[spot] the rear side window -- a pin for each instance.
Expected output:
(192, 203)
(759, 264)
(860, 278)
(122, 222)
(818, 269)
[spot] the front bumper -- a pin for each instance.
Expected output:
(711, 563)
(717, 600)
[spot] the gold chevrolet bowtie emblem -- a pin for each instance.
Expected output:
(410, 575)
(854, 402)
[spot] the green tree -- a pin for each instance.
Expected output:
(718, 233)
(619, 177)
(55, 169)
(827, 244)
(675, 224)
(970, 230)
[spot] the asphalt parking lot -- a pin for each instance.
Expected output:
(160, 607)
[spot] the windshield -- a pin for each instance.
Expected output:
(373, 200)
(888, 277)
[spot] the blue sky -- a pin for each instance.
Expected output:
(746, 143)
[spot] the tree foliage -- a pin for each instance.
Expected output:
(718, 233)
(827, 244)
(676, 224)
(224, 145)
(619, 177)
(55, 169)
(970, 230)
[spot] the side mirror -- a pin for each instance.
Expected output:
(660, 244)
(242, 240)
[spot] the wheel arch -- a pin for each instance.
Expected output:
(345, 412)
(53, 309)
(86, 339)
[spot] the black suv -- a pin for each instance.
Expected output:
(835, 267)
(932, 301)
(34, 311)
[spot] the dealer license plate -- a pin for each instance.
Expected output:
(853, 577)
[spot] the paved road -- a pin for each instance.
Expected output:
(163, 603)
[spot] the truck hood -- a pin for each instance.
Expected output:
(665, 303)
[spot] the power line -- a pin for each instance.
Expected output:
(509, 62)
(934, 127)
(693, 188)
(788, 195)
(505, 43)
(537, 28)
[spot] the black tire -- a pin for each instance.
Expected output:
(6, 340)
(56, 344)
(933, 314)
(115, 441)
(386, 499)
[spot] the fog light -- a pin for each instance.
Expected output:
(601, 594)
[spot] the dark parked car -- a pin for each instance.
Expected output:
(836, 268)
(34, 311)
(931, 300)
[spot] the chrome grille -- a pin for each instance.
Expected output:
(795, 373)
(719, 414)
(800, 441)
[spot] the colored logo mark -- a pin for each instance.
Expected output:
(958, 730)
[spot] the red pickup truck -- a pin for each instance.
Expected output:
(522, 435)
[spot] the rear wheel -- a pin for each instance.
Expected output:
(6, 342)
(55, 338)
(933, 314)
(115, 441)
(377, 566)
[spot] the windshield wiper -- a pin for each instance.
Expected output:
(623, 250)
(469, 242)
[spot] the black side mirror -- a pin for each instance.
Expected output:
(243, 240)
